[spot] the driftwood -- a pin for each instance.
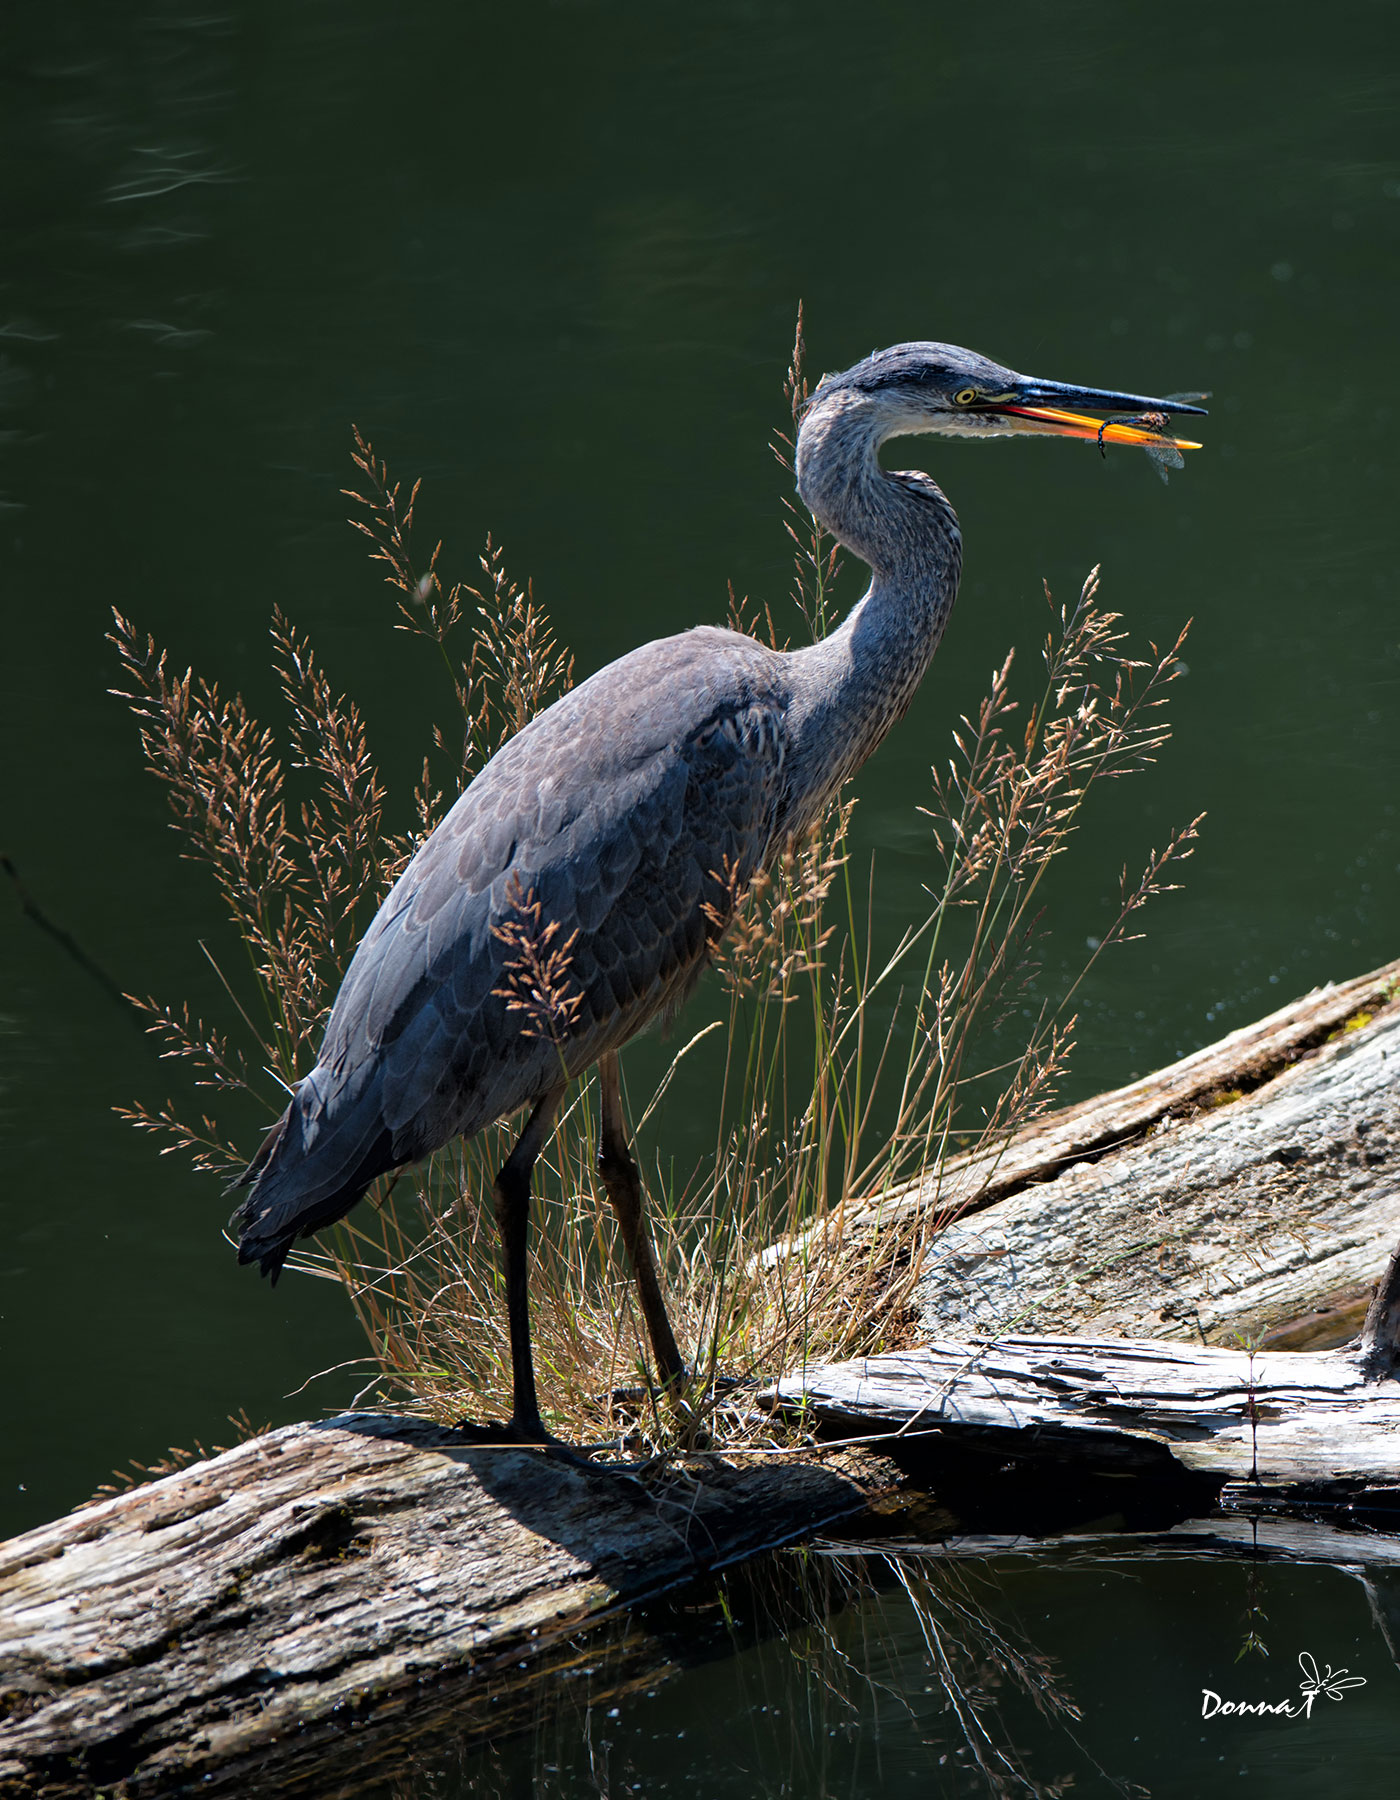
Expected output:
(1271, 1211)
(1223, 1197)
(1251, 1188)
(1199, 1423)
(1237, 1064)
(238, 1617)
(278, 1592)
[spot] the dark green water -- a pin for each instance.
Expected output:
(894, 1679)
(549, 257)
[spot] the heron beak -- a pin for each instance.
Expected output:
(1053, 407)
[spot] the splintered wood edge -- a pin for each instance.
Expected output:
(1273, 1420)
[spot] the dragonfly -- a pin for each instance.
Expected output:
(1164, 455)
(1332, 1682)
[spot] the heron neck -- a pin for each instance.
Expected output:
(851, 687)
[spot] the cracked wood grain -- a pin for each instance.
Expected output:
(1290, 1426)
(322, 1572)
(1274, 1210)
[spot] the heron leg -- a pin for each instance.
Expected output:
(623, 1184)
(512, 1190)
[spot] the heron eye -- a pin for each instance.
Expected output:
(965, 396)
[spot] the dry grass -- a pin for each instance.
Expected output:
(847, 1074)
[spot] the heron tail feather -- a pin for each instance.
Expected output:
(298, 1187)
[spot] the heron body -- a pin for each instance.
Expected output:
(625, 817)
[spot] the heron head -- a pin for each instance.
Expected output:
(919, 388)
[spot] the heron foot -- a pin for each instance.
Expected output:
(522, 1434)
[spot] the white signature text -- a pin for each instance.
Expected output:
(1331, 1682)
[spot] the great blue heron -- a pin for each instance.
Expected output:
(628, 812)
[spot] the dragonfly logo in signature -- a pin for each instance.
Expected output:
(1332, 1683)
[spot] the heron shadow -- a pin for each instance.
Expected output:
(640, 1531)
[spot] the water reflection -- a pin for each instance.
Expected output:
(918, 1670)
(811, 1673)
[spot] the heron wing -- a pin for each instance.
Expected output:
(620, 813)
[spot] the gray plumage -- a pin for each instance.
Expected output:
(626, 810)
(619, 809)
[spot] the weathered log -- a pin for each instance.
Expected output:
(1251, 1189)
(280, 1589)
(1255, 1180)
(1237, 1064)
(1223, 1426)
(1219, 1073)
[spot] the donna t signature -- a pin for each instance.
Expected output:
(1331, 1682)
